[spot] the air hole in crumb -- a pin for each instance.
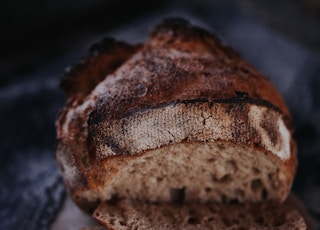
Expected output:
(177, 195)
(208, 189)
(159, 179)
(239, 193)
(256, 144)
(210, 219)
(97, 214)
(235, 221)
(226, 222)
(280, 220)
(259, 220)
(224, 198)
(113, 200)
(234, 201)
(122, 223)
(193, 220)
(278, 223)
(211, 160)
(256, 185)
(264, 194)
(192, 212)
(255, 170)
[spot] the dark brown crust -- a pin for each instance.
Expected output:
(224, 74)
(103, 59)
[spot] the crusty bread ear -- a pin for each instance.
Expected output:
(104, 58)
(123, 215)
(182, 115)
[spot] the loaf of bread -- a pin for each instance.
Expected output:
(178, 118)
(125, 214)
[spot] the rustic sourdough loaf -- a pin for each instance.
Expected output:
(178, 118)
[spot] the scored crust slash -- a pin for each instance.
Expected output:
(179, 118)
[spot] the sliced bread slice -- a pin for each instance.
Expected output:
(123, 215)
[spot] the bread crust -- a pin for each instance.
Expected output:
(103, 59)
(179, 64)
(182, 62)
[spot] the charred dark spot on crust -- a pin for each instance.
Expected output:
(106, 45)
(179, 27)
(230, 53)
(240, 94)
(244, 70)
(103, 59)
